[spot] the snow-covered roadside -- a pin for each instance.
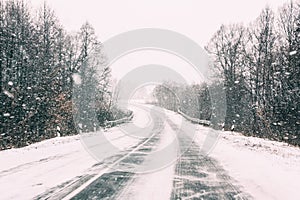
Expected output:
(29, 171)
(266, 169)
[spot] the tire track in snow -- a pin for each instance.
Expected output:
(110, 184)
(197, 176)
(104, 180)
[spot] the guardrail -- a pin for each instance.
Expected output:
(195, 120)
(109, 124)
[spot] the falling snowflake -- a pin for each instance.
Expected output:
(6, 114)
(76, 79)
(292, 53)
(7, 93)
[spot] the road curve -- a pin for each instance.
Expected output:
(144, 172)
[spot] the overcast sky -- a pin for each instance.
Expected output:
(197, 19)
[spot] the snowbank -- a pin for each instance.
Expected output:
(266, 169)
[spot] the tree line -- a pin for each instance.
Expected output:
(193, 100)
(40, 66)
(258, 67)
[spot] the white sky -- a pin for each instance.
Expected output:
(197, 19)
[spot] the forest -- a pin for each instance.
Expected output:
(41, 65)
(43, 69)
(258, 66)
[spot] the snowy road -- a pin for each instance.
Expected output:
(161, 160)
(138, 173)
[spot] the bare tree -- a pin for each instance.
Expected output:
(227, 48)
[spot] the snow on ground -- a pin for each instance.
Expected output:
(142, 119)
(147, 187)
(29, 171)
(266, 169)
(155, 172)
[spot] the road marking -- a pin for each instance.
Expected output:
(87, 183)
